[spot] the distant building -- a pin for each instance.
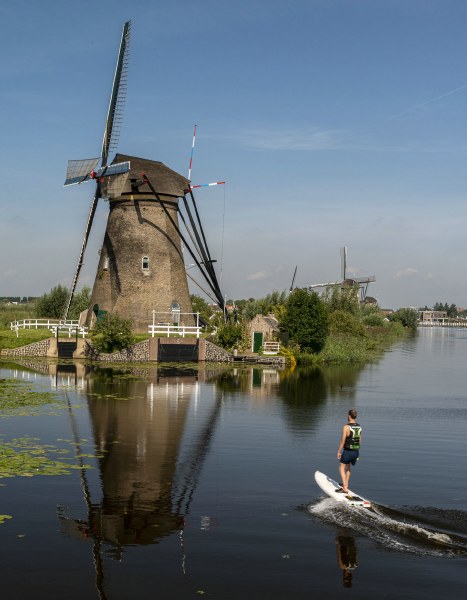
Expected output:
(263, 329)
(432, 315)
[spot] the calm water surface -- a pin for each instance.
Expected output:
(202, 481)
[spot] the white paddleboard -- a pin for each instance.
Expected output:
(330, 487)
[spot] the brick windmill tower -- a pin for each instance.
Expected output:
(141, 267)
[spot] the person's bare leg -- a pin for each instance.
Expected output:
(344, 478)
(347, 478)
(344, 471)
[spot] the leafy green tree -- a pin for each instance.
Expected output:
(112, 334)
(200, 305)
(407, 316)
(272, 303)
(52, 305)
(80, 302)
(373, 320)
(343, 322)
(306, 320)
(345, 298)
(230, 335)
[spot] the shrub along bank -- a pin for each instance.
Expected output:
(355, 332)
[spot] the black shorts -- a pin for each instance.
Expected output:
(349, 456)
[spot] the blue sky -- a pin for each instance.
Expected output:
(333, 122)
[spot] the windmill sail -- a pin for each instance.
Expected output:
(110, 140)
(79, 171)
(343, 263)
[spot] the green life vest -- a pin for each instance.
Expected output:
(352, 441)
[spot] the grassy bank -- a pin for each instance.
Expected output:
(355, 347)
(8, 338)
(15, 312)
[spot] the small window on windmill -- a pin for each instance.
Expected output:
(106, 263)
(145, 265)
(176, 313)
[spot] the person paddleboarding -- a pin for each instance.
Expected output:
(348, 450)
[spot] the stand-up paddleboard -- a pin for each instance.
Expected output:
(330, 487)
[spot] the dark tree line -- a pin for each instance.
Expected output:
(451, 310)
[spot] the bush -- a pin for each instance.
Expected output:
(373, 320)
(52, 305)
(341, 321)
(407, 316)
(344, 298)
(229, 336)
(306, 320)
(112, 334)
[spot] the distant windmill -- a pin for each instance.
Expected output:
(141, 268)
(345, 281)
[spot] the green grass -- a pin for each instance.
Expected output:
(8, 339)
(15, 312)
(345, 348)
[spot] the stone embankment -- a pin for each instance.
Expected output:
(145, 351)
(140, 352)
(35, 349)
(137, 353)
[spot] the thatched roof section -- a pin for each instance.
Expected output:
(165, 181)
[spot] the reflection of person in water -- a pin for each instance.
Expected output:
(346, 557)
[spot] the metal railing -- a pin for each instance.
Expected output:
(171, 328)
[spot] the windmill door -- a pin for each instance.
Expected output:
(257, 340)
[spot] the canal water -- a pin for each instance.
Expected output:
(187, 482)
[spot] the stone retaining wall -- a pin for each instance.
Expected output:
(216, 354)
(35, 349)
(137, 353)
(140, 352)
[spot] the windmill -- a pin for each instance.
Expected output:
(361, 282)
(141, 270)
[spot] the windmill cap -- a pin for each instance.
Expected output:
(164, 180)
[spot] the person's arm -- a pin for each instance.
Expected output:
(345, 433)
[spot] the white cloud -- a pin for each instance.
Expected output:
(257, 275)
(407, 272)
(290, 139)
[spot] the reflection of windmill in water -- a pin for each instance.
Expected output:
(151, 455)
(361, 283)
(141, 267)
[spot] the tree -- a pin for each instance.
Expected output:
(230, 336)
(345, 297)
(53, 304)
(112, 334)
(306, 320)
(407, 316)
(200, 306)
(80, 302)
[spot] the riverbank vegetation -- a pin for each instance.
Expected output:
(355, 332)
(333, 328)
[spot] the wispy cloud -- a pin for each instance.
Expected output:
(406, 272)
(315, 139)
(290, 139)
(256, 276)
